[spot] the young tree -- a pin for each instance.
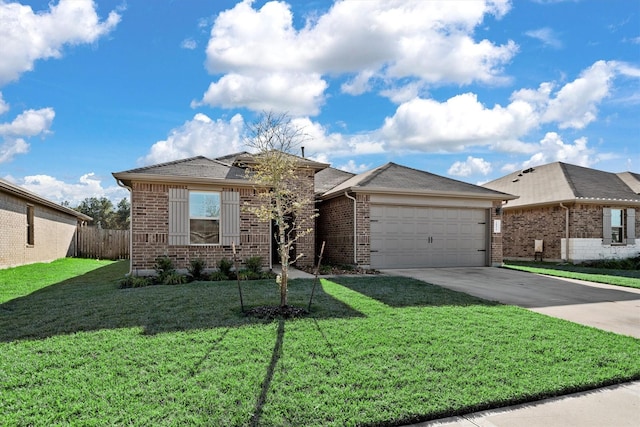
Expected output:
(274, 170)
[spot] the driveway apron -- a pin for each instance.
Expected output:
(611, 308)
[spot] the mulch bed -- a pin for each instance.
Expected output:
(270, 313)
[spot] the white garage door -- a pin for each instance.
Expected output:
(409, 237)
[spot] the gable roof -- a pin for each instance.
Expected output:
(562, 182)
(328, 178)
(7, 187)
(394, 178)
(200, 169)
(197, 168)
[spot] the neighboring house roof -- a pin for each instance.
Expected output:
(330, 177)
(7, 187)
(561, 182)
(632, 180)
(197, 168)
(394, 178)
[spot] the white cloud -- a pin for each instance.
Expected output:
(471, 166)
(353, 167)
(292, 93)
(4, 107)
(59, 191)
(455, 125)
(200, 136)
(553, 149)
(27, 124)
(10, 148)
(462, 122)
(27, 36)
(189, 44)
(389, 42)
(575, 105)
(547, 36)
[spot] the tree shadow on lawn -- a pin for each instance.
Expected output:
(406, 292)
(93, 301)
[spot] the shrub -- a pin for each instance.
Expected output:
(216, 276)
(224, 265)
(173, 278)
(196, 269)
(166, 272)
(254, 264)
(134, 282)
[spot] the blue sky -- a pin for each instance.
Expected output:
(471, 90)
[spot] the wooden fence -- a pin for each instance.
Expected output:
(94, 242)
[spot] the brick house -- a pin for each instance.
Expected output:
(404, 217)
(398, 217)
(194, 208)
(577, 213)
(34, 229)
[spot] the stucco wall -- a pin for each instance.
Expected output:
(54, 233)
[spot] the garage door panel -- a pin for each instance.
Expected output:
(405, 237)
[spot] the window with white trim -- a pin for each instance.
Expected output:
(204, 218)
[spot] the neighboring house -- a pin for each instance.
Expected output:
(398, 217)
(193, 208)
(34, 229)
(578, 213)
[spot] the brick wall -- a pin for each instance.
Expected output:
(522, 226)
(150, 229)
(54, 233)
(496, 257)
(335, 226)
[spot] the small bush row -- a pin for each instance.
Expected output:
(166, 273)
(615, 264)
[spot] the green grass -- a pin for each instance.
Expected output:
(375, 351)
(19, 281)
(627, 278)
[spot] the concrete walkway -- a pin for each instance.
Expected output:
(607, 307)
(611, 308)
(615, 406)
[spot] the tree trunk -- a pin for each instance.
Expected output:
(283, 247)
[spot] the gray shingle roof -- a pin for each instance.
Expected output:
(562, 182)
(394, 177)
(194, 167)
(328, 178)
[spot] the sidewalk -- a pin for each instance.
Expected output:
(615, 406)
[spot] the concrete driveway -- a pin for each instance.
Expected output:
(611, 308)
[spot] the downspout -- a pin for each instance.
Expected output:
(121, 184)
(355, 228)
(566, 228)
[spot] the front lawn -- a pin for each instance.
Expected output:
(628, 278)
(375, 351)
